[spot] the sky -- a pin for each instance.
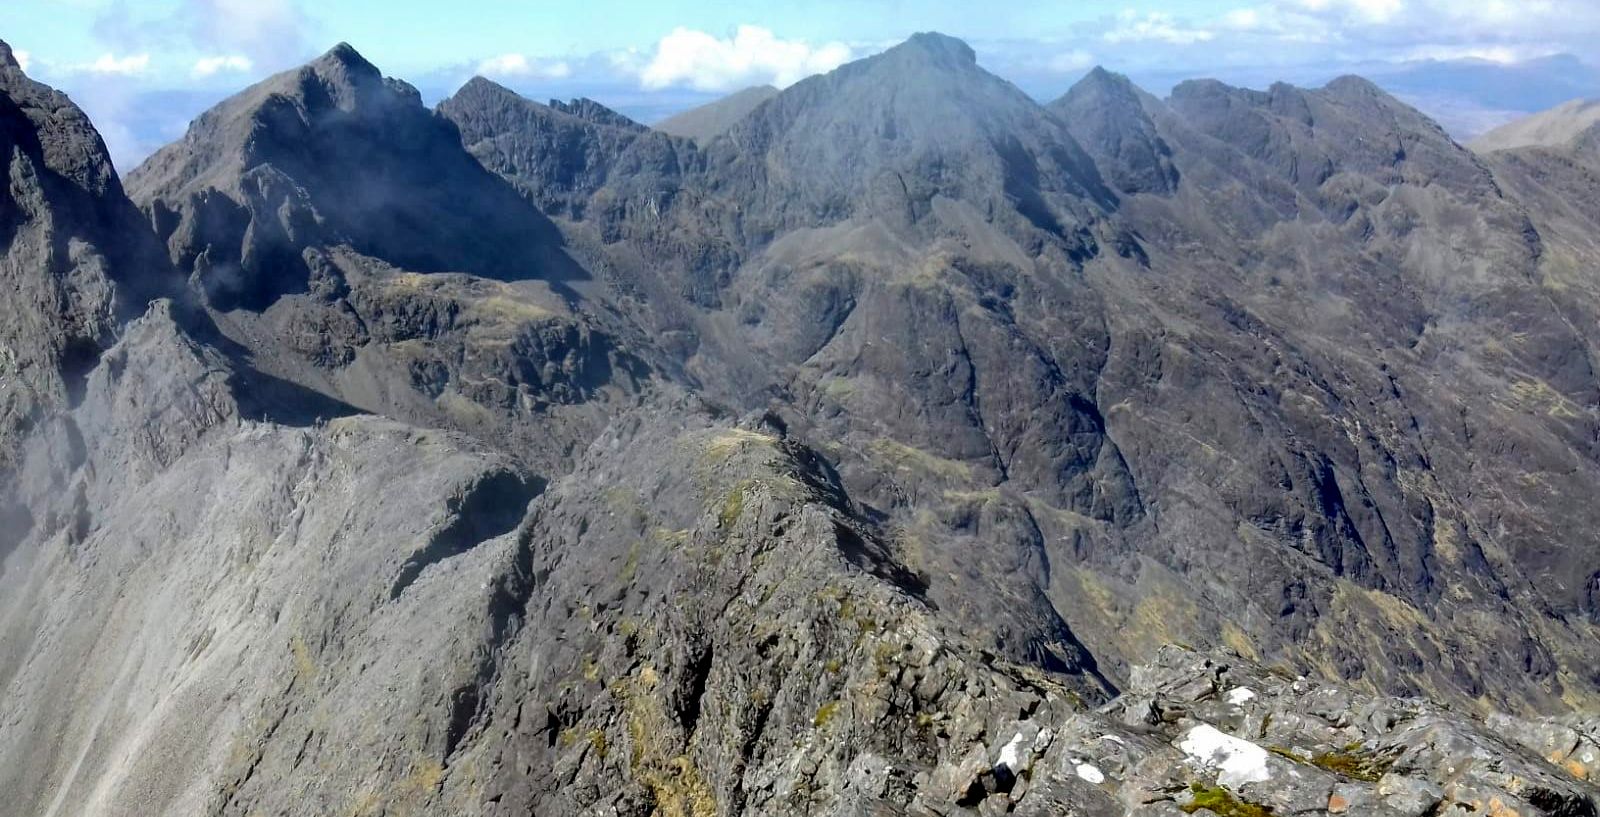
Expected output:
(142, 68)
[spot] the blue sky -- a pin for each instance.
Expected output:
(143, 67)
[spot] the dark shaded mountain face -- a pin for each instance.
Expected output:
(863, 458)
(557, 154)
(75, 259)
(1108, 113)
(333, 153)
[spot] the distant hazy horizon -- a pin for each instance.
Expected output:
(144, 68)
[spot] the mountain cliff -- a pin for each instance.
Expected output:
(869, 457)
(75, 259)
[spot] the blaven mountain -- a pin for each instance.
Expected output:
(890, 444)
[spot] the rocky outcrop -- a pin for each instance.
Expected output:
(1218, 735)
(75, 260)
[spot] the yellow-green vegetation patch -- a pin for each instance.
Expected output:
(425, 776)
(1283, 751)
(1239, 641)
(676, 785)
(630, 565)
(463, 408)
(1537, 394)
(494, 302)
(507, 309)
(730, 441)
(732, 506)
(1222, 802)
(973, 497)
(838, 389)
(1351, 762)
(825, 713)
(900, 456)
(304, 666)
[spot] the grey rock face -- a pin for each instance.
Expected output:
(74, 258)
(1216, 359)
(333, 153)
(1107, 114)
(340, 234)
(865, 459)
(559, 154)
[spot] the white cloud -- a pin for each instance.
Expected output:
(752, 56)
(1370, 11)
(1154, 26)
(268, 32)
(111, 64)
(209, 66)
(1074, 60)
(520, 65)
(1243, 19)
(23, 58)
(1412, 29)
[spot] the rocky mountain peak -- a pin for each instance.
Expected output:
(327, 154)
(75, 258)
(481, 87)
(1349, 126)
(1351, 86)
(1102, 94)
(1101, 80)
(344, 56)
(592, 111)
(486, 95)
(936, 49)
(349, 82)
(551, 152)
(1106, 112)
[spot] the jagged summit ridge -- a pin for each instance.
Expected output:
(557, 154)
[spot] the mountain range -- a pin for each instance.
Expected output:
(888, 444)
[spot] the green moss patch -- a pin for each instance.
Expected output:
(1222, 802)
